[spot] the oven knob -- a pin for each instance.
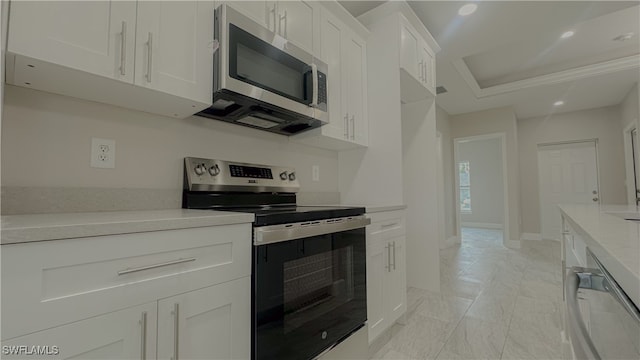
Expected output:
(214, 170)
(283, 175)
(292, 176)
(199, 170)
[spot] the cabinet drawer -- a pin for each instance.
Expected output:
(50, 283)
(387, 224)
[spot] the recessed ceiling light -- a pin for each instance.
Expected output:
(624, 37)
(467, 9)
(567, 34)
(558, 103)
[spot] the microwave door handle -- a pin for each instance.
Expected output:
(581, 342)
(314, 75)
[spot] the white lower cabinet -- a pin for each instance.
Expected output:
(210, 323)
(386, 271)
(123, 334)
(185, 293)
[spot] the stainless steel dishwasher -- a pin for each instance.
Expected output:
(603, 323)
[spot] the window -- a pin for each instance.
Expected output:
(465, 187)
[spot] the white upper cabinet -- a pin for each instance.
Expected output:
(409, 44)
(356, 88)
(294, 20)
(79, 48)
(332, 32)
(416, 57)
(173, 48)
(262, 12)
(346, 56)
(97, 37)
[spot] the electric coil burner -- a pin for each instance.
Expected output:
(309, 262)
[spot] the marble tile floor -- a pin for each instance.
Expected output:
(495, 303)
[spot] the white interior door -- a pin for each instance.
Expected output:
(568, 174)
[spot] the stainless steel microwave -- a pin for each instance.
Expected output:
(262, 80)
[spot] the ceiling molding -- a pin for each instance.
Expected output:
(606, 67)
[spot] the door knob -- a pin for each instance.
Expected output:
(594, 192)
(595, 199)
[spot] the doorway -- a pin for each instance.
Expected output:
(568, 174)
(632, 164)
(481, 186)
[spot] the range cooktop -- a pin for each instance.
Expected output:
(267, 191)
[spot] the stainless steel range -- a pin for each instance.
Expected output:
(309, 262)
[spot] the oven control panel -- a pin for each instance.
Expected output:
(220, 175)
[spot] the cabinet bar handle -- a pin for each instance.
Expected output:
(286, 25)
(273, 10)
(388, 225)
(346, 125)
(143, 336)
(149, 50)
(353, 127)
(148, 267)
(394, 255)
(388, 247)
(425, 71)
(123, 49)
(176, 327)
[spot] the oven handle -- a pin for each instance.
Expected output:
(277, 233)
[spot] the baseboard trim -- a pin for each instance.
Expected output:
(513, 244)
(481, 225)
(531, 236)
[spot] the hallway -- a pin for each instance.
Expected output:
(495, 303)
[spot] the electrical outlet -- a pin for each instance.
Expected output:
(103, 153)
(315, 172)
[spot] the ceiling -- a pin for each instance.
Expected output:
(511, 53)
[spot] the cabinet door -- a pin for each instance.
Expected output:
(97, 37)
(428, 63)
(210, 323)
(296, 22)
(356, 88)
(124, 334)
(395, 284)
(332, 35)
(377, 267)
(259, 11)
(173, 48)
(409, 51)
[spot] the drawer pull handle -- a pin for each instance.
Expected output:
(388, 225)
(148, 267)
(176, 328)
(143, 336)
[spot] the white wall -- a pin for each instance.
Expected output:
(419, 155)
(46, 143)
(443, 126)
(487, 192)
(630, 107)
(602, 124)
(500, 120)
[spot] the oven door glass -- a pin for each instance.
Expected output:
(256, 62)
(308, 294)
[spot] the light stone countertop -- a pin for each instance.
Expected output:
(615, 241)
(39, 227)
